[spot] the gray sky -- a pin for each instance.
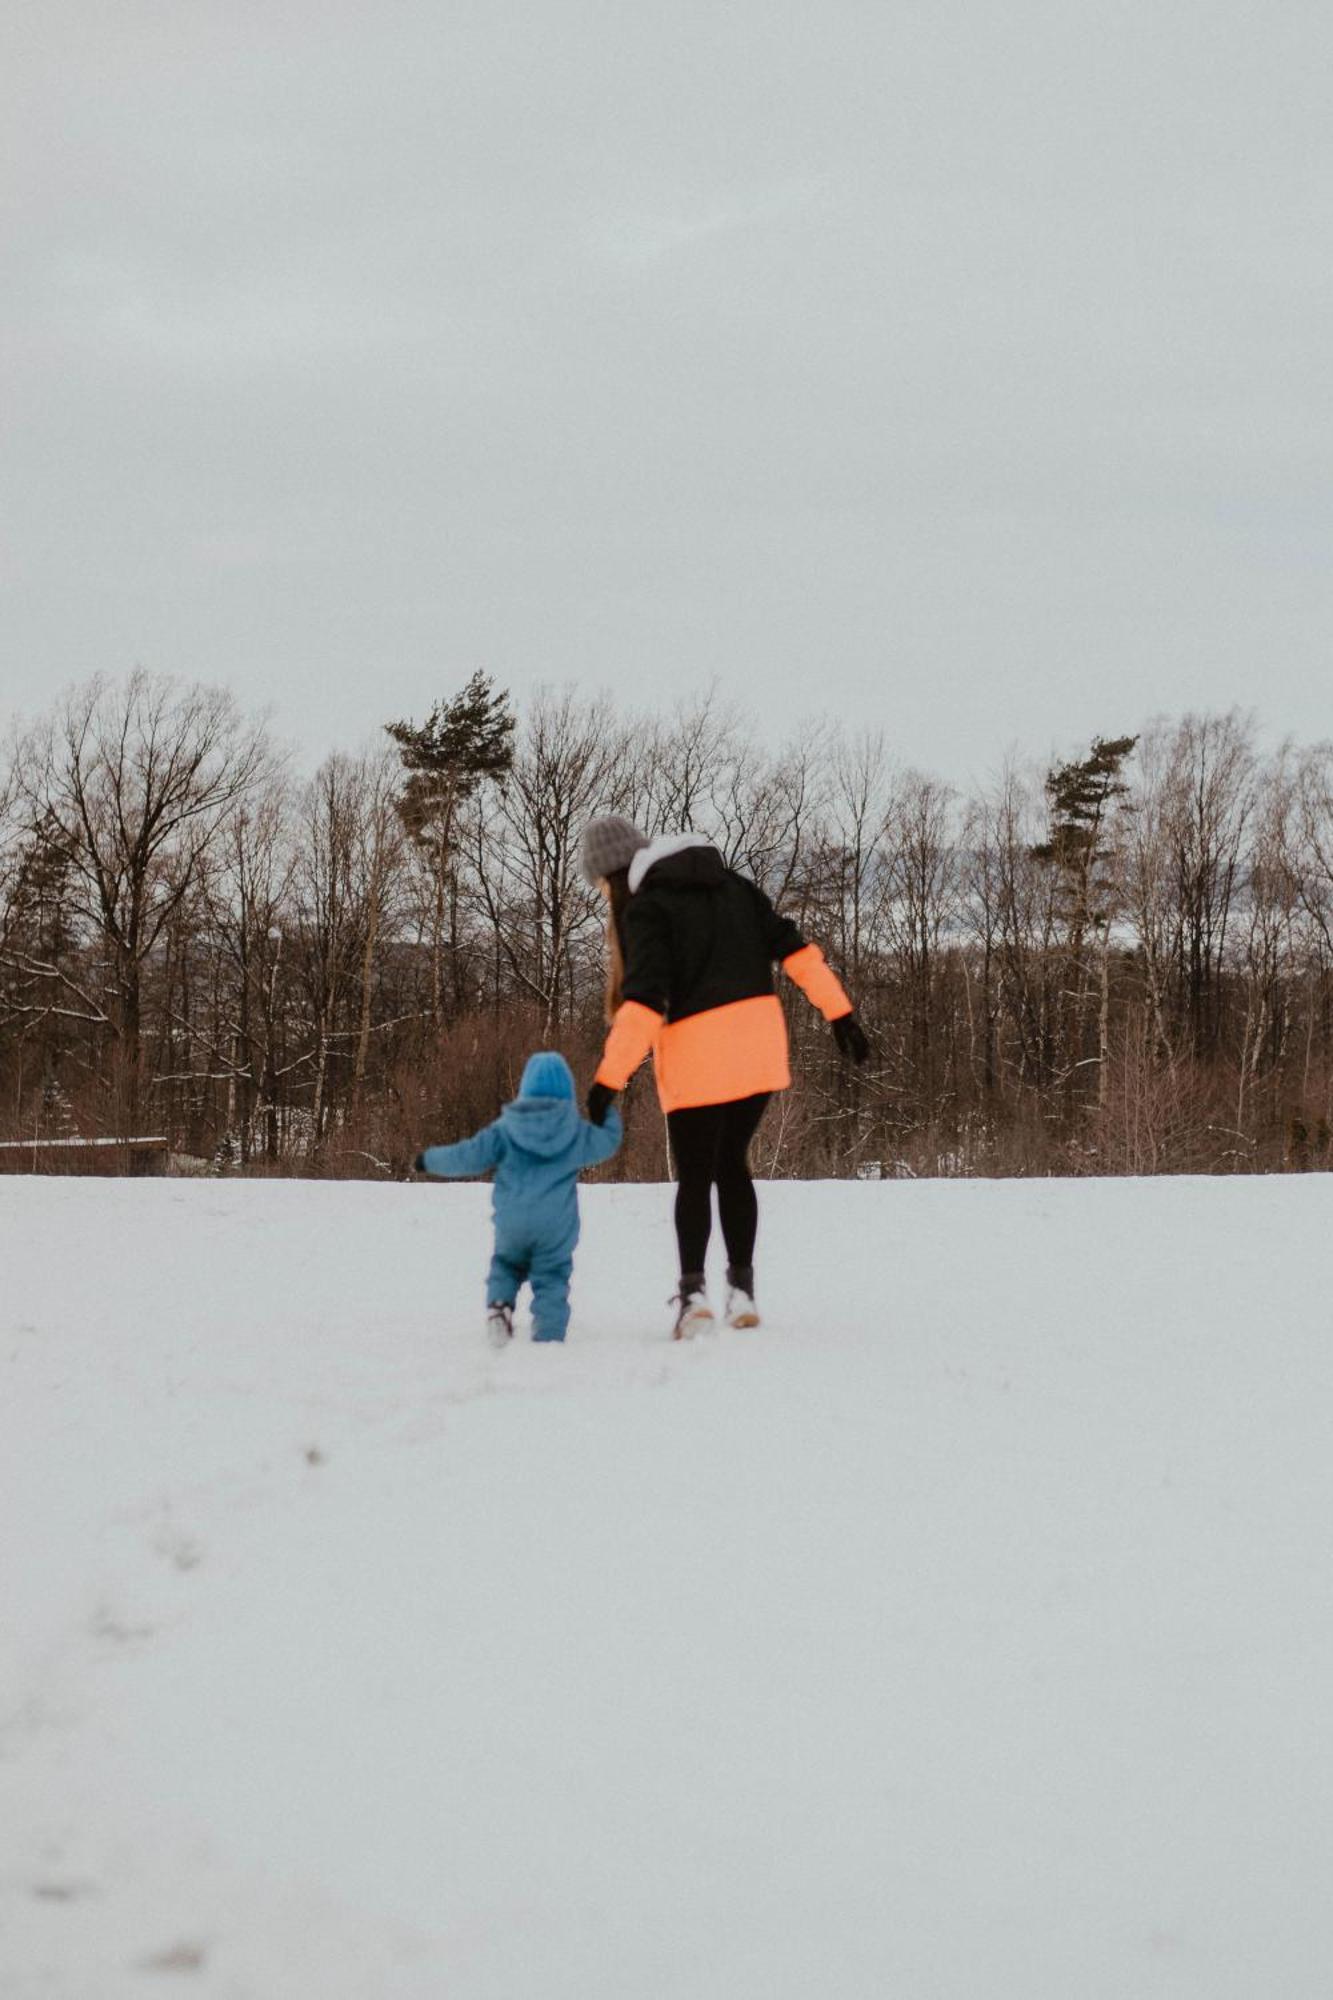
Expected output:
(961, 367)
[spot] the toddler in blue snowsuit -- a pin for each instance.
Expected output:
(537, 1147)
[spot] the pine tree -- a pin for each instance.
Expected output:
(40, 911)
(1083, 800)
(37, 940)
(463, 743)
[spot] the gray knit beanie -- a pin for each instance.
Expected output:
(609, 843)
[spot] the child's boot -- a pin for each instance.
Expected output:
(499, 1325)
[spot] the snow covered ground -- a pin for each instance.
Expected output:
(967, 1632)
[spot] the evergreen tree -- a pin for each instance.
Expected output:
(464, 743)
(1083, 798)
(38, 937)
(41, 921)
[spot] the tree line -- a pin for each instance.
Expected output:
(1121, 964)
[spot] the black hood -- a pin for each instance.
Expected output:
(688, 868)
(696, 935)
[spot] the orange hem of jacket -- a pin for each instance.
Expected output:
(723, 1054)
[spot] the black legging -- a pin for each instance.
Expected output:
(710, 1143)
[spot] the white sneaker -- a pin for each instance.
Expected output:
(741, 1308)
(499, 1325)
(693, 1314)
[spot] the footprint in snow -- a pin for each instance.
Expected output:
(105, 1624)
(180, 1550)
(183, 1957)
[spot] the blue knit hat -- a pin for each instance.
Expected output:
(547, 1075)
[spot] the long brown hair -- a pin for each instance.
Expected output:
(617, 892)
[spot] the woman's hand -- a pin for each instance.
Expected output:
(600, 1100)
(851, 1038)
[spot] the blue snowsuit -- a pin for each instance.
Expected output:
(537, 1147)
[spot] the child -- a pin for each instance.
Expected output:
(537, 1146)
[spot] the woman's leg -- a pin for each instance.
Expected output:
(694, 1148)
(738, 1205)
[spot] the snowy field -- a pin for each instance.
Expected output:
(966, 1632)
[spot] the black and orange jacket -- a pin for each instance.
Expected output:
(700, 944)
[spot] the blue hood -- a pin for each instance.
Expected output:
(547, 1074)
(541, 1125)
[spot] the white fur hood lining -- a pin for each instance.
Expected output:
(661, 849)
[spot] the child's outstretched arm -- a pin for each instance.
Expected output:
(600, 1141)
(476, 1155)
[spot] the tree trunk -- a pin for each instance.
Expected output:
(367, 981)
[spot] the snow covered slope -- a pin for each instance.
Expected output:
(967, 1632)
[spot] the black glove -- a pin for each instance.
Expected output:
(419, 1164)
(600, 1100)
(851, 1038)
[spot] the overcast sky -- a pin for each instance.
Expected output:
(960, 367)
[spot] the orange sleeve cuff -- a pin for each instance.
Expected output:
(818, 981)
(633, 1033)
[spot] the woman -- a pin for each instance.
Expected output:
(691, 952)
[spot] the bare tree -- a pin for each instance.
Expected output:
(333, 915)
(981, 894)
(1150, 899)
(249, 887)
(921, 907)
(568, 763)
(379, 859)
(681, 764)
(1269, 909)
(1211, 789)
(1028, 929)
(852, 864)
(136, 780)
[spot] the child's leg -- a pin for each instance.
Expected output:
(550, 1296)
(504, 1278)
